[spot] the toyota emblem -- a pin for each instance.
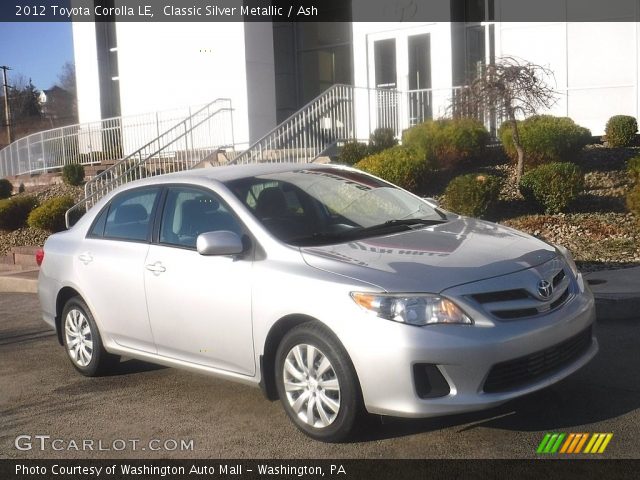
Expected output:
(545, 289)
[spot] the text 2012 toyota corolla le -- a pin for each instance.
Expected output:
(333, 290)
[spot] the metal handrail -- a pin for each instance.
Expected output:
(293, 137)
(85, 143)
(98, 178)
(187, 143)
(340, 113)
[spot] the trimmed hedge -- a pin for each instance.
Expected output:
(352, 152)
(553, 185)
(633, 169)
(73, 174)
(621, 131)
(6, 187)
(50, 215)
(398, 165)
(382, 139)
(545, 139)
(472, 195)
(14, 211)
(447, 141)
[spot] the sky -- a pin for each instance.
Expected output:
(36, 50)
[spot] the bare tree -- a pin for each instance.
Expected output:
(67, 77)
(510, 88)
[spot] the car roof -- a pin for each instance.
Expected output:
(235, 172)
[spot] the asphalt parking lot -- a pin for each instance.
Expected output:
(41, 394)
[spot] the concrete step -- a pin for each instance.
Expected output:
(27, 250)
(26, 260)
(11, 267)
(7, 259)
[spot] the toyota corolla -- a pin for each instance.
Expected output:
(334, 291)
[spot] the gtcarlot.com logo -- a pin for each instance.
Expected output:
(573, 443)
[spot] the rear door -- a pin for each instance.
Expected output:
(110, 267)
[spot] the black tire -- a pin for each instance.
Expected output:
(76, 314)
(344, 422)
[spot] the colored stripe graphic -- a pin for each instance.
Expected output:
(573, 443)
(583, 439)
(568, 442)
(543, 444)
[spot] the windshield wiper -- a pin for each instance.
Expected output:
(355, 233)
(409, 221)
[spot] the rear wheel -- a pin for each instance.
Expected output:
(317, 383)
(82, 340)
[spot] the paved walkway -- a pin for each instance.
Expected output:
(617, 292)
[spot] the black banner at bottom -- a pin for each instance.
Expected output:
(542, 469)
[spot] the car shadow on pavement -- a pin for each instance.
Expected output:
(133, 366)
(608, 387)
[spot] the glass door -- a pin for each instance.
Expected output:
(419, 78)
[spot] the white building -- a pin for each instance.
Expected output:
(269, 70)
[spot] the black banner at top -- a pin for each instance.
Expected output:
(319, 10)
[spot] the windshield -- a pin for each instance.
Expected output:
(330, 205)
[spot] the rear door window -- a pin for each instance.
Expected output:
(129, 215)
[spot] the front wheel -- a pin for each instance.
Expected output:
(82, 340)
(317, 383)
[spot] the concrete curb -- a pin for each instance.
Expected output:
(18, 284)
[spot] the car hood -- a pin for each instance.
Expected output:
(434, 258)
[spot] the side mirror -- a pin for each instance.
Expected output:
(221, 242)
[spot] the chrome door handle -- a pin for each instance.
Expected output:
(157, 268)
(85, 258)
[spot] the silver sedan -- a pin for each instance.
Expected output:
(333, 290)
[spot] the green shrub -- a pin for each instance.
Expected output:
(352, 152)
(6, 187)
(545, 139)
(621, 131)
(447, 141)
(472, 195)
(382, 139)
(73, 174)
(553, 185)
(50, 215)
(633, 168)
(21, 188)
(14, 211)
(633, 201)
(398, 165)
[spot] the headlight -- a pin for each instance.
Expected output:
(420, 309)
(566, 254)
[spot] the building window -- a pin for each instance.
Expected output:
(310, 57)
(384, 52)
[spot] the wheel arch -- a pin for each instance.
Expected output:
(64, 295)
(268, 358)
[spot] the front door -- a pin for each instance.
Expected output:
(199, 306)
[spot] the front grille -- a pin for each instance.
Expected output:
(558, 278)
(520, 303)
(521, 371)
(503, 296)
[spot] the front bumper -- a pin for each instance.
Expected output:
(385, 356)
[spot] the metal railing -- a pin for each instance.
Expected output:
(308, 132)
(193, 140)
(87, 143)
(339, 114)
